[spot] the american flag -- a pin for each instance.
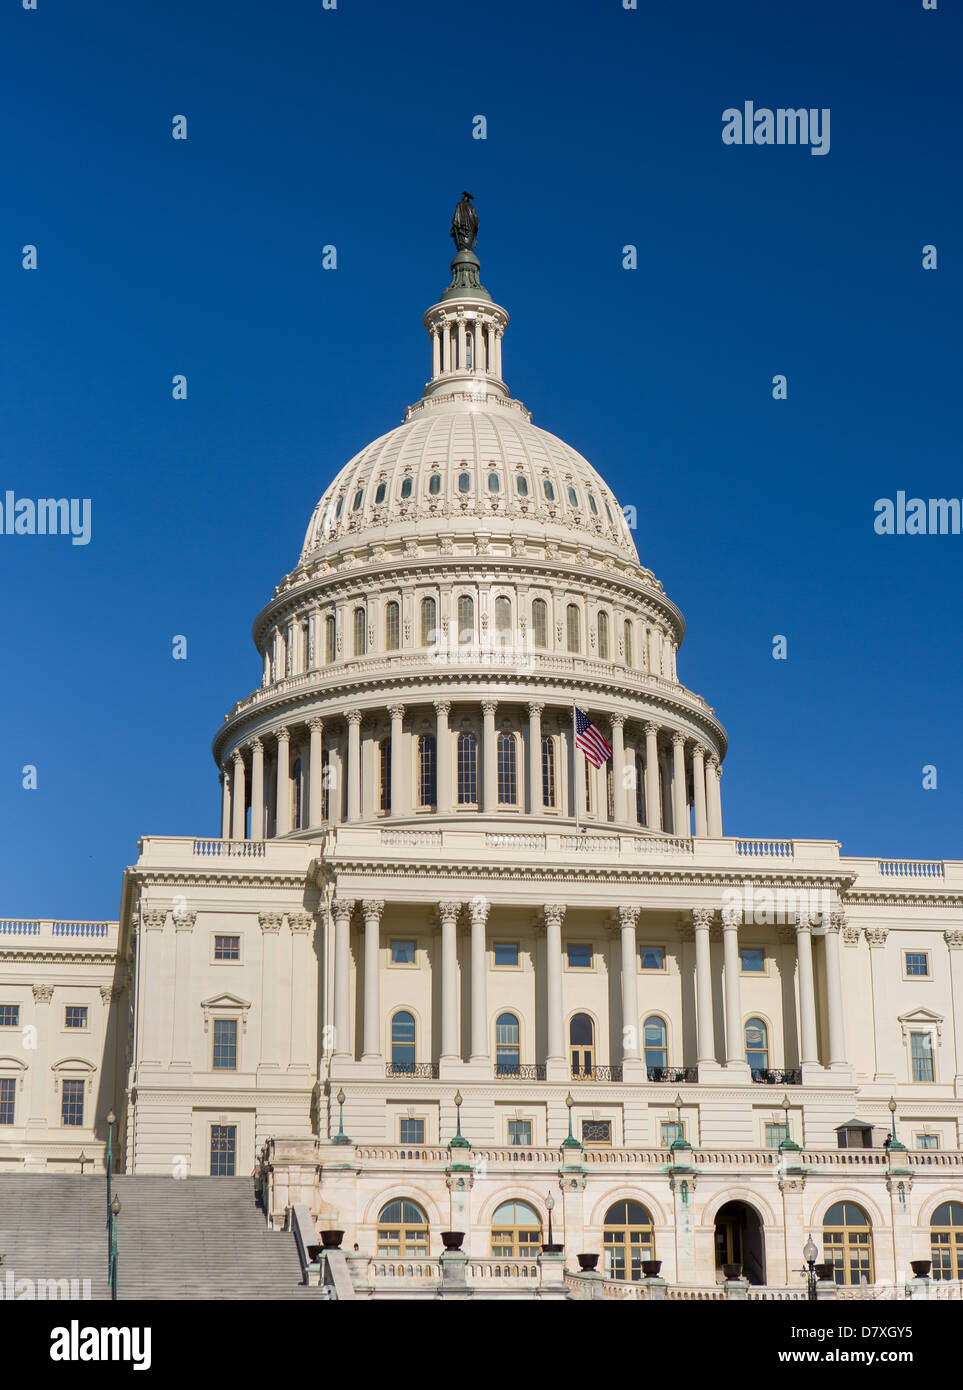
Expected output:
(597, 749)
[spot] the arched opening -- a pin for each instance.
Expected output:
(627, 1240)
(739, 1240)
(384, 774)
(581, 1038)
(402, 1229)
(946, 1241)
(848, 1243)
(516, 1231)
(428, 622)
(467, 769)
(392, 626)
(506, 770)
(507, 1046)
(426, 770)
(540, 623)
(757, 1046)
(403, 1043)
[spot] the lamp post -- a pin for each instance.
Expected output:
(459, 1141)
(550, 1207)
(111, 1121)
(893, 1141)
(114, 1213)
(680, 1141)
(83, 1160)
(340, 1137)
(786, 1141)
(809, 1255)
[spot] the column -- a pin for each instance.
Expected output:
(435, 352)
(257, 789)
(882, 1012)
(39, 1118)
(535, 758)
(225, 804)
(238, 797)
(461, 345)
(498, 352)
(450, 1046)
(620, 810)
(315, 771)
(705, 1042)
(181, 990)
(270, 923)
(372, 909)
(301, 1049)
(655, 665)
(478, 356)
(631, 1043)
(443, 776)
(680, 819)
(489, 763)
(553, 914)
(398, 798)
(834, 991)
(282, 802)
(735, 1054)
(341, 910)
(699, 789)
(808, 1055)
(354, 764)
(478, 913)
(653, 800)
(954, 945)
(713, 796)
(445, 331)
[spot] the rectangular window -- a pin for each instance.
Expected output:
(9, 1015)
(227, 948)
(775, 1134)
(579, 956)
(548, 773)
(519, 1132)
(411, 1131)
(752, 959)
(75, 1016)
(72, 1102)
(225, 1044)
(921, 1052)
(597, 1132)
(916, 964)
(652, 957)
(506, 952)
(8, 1094)
(223, 1151)
(671, 1130)
(402, 953)
(927, 1141)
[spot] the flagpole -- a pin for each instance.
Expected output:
(575, 769)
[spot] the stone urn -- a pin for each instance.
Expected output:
(552, 1249)
(650, 1269)
(452, 1240)
(920, 1268)
(732, 1271)
(824, 1273)
(587, 1262)
(331, 1240)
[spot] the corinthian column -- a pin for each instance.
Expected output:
(354, 764)
(372, 909)
(619, 813)
(535, 757)
(555, 1060)
(808, 1054)
(713, 795)
(478, 914)
(239, 797)
(489, 762)
(834, 991)
(631, 1044)
(735, 1054)
(954, 945)
(315, 771)
(225, 804)
(257, 789)
(705, 1042)
(398, 806)
(680, 816)
(282, 811)
(442, 757)
(699, 789)
(341, 910)
(653, 798)
(448, 916)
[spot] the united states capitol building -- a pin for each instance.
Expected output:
(439, 973)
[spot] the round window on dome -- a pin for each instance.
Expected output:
(434, 484)
(573, 496)
(380, 494)
(494, 484)
(548, 490)
(337, 510)
(406, 489)
(358, 498)
(464, 482)
(521, 485)
(593, 504)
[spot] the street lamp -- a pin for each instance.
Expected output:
(459, 1141)
(550, 1206)
(111, 1121)
(680, 1141)
(83, 1160)
(786, 1141)
(893, 1141)
(114, 1213)
(571, 1142)
(340, 1137)
(809, 1255)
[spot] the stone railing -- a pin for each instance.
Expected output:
(236, 849)
(912, 868)
(508, 1271)
(764, 849)
(418, 1268)
(47, 928)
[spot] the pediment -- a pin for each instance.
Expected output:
(921, 1018)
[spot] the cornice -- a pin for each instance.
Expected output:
(577, 873)
(106, 958)
(872, 897)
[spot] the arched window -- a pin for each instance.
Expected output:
(358, 497)
(403, 1043)
(360, 637)
(604, 636)
(464, 482)
(946, 1241)
(296, 774)
(540, 623)
(548, 490)
(494, 484)
(516, 1231)
(639, 787)
(429, 622)
(434, 485)
(757, 1045)
(392, 626)
(593, 505)
(507, 779)
(503, 617)
(406, 489)
(466, 620)
(581, 1040)
(384, 773)
(507, 1048)
(627, 635)
(608, 513)
(338, 508)
(402, 1230)
(330, 636)
(467, 770)
(549, 792)
(654, 1042)
(627, 1240)
(848, 1243)
(521, 484)
(572, 628)
(426, 770)
(380, 493)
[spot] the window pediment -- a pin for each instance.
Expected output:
(921, 1018)
(225, 1004)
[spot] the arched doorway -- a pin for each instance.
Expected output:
(739, 1240)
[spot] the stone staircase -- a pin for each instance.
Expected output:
(178, 1238)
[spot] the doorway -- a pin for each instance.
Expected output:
(739, 1240)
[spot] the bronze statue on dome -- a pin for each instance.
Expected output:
(464, 224)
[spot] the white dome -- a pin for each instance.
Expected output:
(454, 466)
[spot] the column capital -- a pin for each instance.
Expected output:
(283, 735)
(237, 756)
(183, 920)
(353, 716)
(678, 739)
(702, 917)
(270, 922)
(342, 908)
(478, 910)
(731, 917)
(876, 936)
(834, 922)
(629, 915)
(699, 750)
(804, 923)
(712, 762)
(617, 721)
(396, 711)
(442, 707)
(300, 922)
(316, 723)
(535, 707)
(652, 730)
(42, 993)
(448, 911)
(372, 908)
(553, 914)
(154, 919)
(256, 744)
(954, 940)
(489, 707)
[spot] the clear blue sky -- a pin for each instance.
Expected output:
(353, 127)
